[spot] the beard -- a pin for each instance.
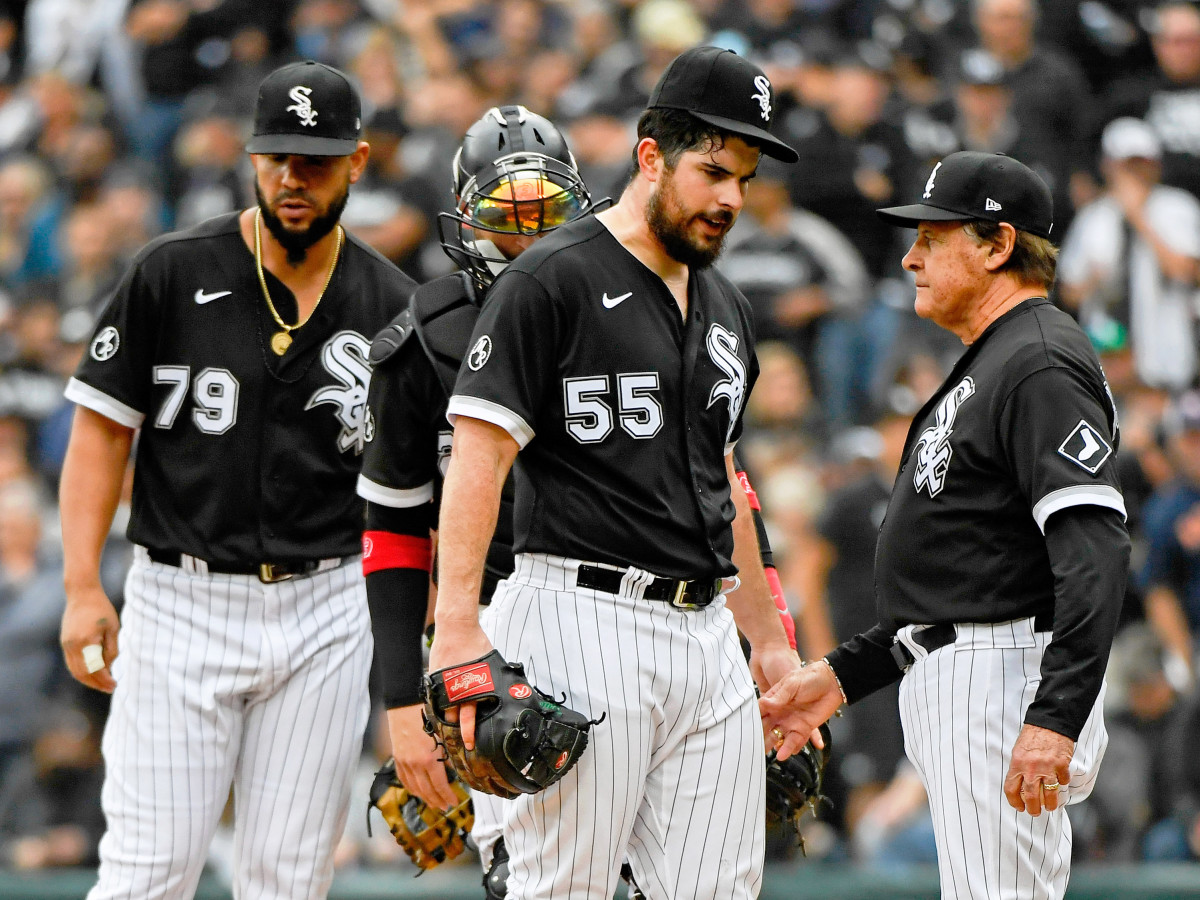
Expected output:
(296, 243)
(669, 223)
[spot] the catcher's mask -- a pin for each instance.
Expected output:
(513, 175)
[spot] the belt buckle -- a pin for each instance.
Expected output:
(677, 600)
(268, 575)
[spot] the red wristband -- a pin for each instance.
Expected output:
(388, 550)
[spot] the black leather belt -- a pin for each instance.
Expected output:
(937, 636)
(267, 573)
(681, 594)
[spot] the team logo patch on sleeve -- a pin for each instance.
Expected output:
(105, 344)
(1086, 448)
(479, 353)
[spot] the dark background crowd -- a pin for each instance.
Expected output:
(122, 119)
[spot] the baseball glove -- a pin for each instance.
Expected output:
(795, 784)
(428, 835)
(525, 740)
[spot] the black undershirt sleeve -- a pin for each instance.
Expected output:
(1089, 555)
(865, 663)
(398, 600)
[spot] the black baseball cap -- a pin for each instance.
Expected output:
(971, 185)
(308, 108)
(724, 90)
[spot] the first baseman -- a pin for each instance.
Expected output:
(1002, 558)
(239, 349)
(618, 363)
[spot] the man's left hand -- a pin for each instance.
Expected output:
(1040, 772)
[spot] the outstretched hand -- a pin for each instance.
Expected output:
(797, 705)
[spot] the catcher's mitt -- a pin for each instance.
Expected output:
(525, 740)
(795, 784)
(428, 835)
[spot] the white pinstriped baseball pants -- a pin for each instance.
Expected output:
(673, 779)
(962, 707)
(223, 680)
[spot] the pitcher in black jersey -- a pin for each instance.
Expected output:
(239, 348)
(1002, 558)
(514, 181)
(618, 362)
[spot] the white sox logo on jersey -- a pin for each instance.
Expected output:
(303, 106)
(722, 350)
(933, 450)
(345, 358)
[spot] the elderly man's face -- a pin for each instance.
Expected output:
(949, 270)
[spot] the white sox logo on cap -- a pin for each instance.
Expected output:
(929, 184)
(303, 106)
(763, 96)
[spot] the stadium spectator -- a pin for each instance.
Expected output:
(1169, 98)
(1130, 260)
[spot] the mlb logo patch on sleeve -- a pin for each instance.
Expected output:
(1085, 447)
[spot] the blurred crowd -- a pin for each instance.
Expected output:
(121, 119)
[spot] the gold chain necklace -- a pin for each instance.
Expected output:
(281, 340)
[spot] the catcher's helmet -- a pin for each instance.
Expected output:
(514, 175)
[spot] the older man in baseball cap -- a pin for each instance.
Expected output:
(1002, 558)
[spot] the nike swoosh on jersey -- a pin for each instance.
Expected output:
(203, 298)
(610, 302)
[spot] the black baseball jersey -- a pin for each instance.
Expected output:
(1024, 426)
(243, 456)
(416, 359)
(624, 412)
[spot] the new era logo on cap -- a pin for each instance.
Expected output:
(306, 108)
(970, 185)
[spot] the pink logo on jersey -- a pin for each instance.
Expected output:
(468, 681)
(520, 691)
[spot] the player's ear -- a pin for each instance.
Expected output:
(1001, 247)
(650, 159)
(358, 160)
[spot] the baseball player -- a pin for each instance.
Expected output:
(1002, 558)
(618, 362)
(239, 348)
(514, 180)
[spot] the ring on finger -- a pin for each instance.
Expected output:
(779, 735)
(1051, 787)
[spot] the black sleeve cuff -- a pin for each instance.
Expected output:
(398, 599)
(1089, 555)
(864, 663)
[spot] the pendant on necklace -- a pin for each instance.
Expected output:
(280, 341)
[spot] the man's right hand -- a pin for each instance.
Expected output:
(90, 620)
(419, 764)
(797, 705)
(455, 643)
